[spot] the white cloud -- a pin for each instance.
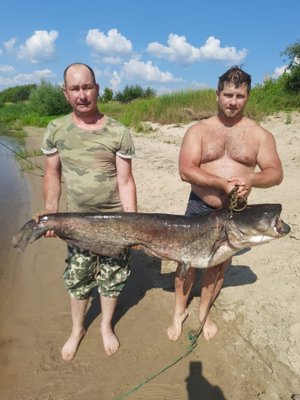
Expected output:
(115, 80)
(100, 73)
(285, 68)
(279, 71)
(213, 50)
(39, 47)
(180, 51)
(6, 68)
(111, 60)
(112, 47)
(195, 85)
(9, 44)
(23, 79)
(107, 75)
(135, 69)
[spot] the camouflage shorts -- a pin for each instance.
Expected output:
(86, 271)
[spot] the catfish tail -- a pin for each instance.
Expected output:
(30, 232)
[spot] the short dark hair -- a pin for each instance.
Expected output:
(236, 76)
(79, 63)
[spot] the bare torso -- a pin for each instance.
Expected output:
(227, 151)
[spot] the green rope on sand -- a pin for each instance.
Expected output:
(193, 341)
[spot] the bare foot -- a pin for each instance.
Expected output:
(110, 341)
(210, 328)
(70, 347)
(174, 331)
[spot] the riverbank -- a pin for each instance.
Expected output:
(256, 353)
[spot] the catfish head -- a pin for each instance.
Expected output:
(256, 225)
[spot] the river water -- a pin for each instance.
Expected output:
(14, 196)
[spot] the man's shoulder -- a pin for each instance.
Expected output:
(60, 121)
(113, 123)
(203, 125)
(117, 130)
(254, 127)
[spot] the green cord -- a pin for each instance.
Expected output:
(193, 338)
(193, 341)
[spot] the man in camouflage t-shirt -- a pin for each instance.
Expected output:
(88, 162)
(92, 153)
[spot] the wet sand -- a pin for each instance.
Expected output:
(256, 353)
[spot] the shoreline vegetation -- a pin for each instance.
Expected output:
(46, 102)
(144, 115)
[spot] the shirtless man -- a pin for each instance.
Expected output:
(216, 155)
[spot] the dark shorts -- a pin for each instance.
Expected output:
(196, 206)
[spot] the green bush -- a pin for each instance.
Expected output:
(272, 96)
(131, 93)
(292, 81)
(47, 99)
(16, 94)
(12, 112)
(107, 95)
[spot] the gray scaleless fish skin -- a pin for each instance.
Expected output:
(201, 242)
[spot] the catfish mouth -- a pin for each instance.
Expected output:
(280, 227)
(243, 235)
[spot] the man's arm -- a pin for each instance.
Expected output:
(52, 183)
(268, 161)
(126, 184)
(271, 172)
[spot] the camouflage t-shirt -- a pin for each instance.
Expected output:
(88, 160)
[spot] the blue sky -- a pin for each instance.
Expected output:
(165, 45)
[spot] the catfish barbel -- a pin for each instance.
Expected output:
(200, 242)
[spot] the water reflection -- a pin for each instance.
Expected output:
(14, 194)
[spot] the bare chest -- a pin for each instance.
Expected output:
(236, 145)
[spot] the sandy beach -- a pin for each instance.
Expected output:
(256, 353)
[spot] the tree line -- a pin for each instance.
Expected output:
(48, 99)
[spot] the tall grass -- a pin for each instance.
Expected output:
(21, 114)
(273, 97)
(186, 106)
(179, 107)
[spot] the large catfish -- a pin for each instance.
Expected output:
(201, 242)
